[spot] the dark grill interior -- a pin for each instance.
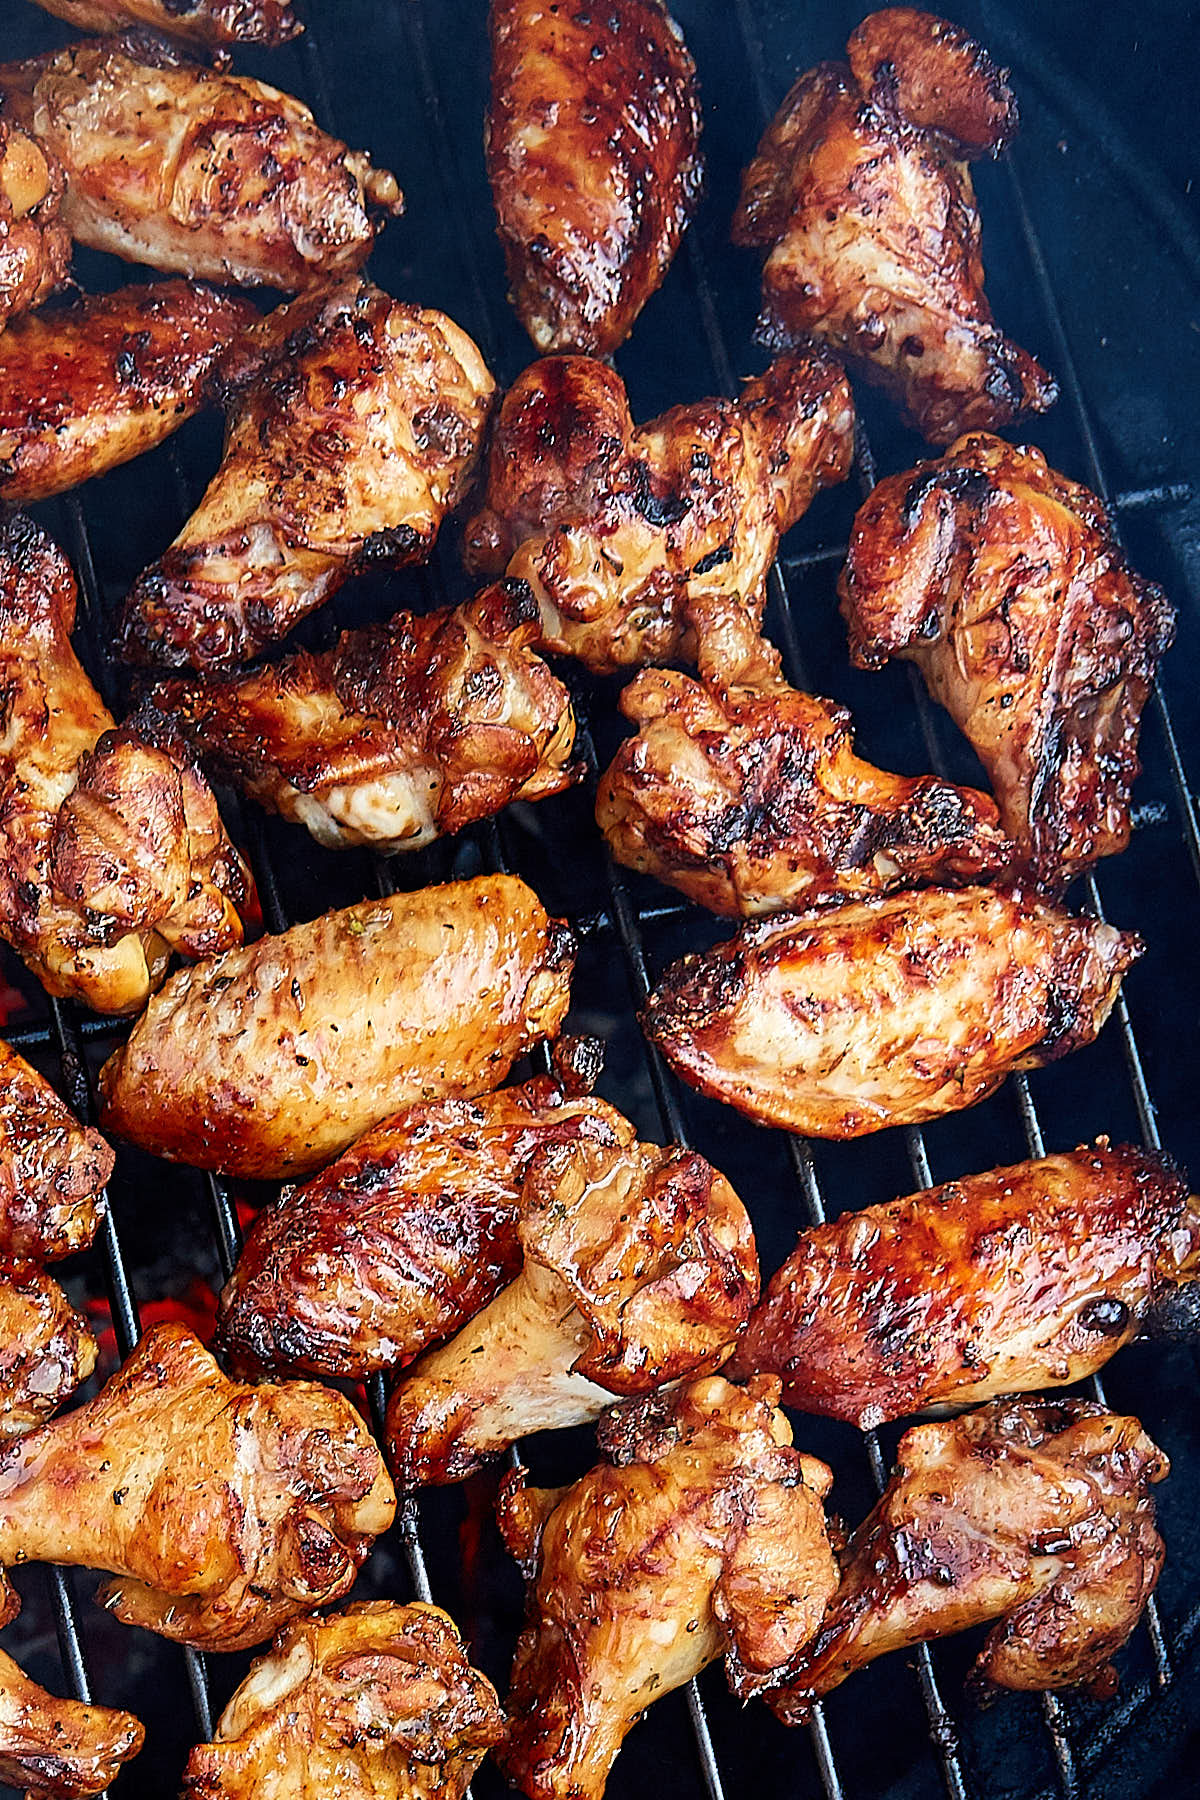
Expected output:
(1095, 267)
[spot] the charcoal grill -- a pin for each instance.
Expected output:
(1096, 268)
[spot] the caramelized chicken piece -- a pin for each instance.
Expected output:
(200, 21)
(378, 1702)
(639, 1269)
(59, 1748)
(35, 245)
(112, 852)
(348, 443)
(99, 382)
(1003, 582)
(627, 534)
(861, 193)
(52, 1168)
(1034, 1513)
(222, 1510)
(703, 1534)
(592, 150)
(46, 1349)
(197, 171)
(886, 1012)
(402, 733)
(271, 1060)
(1022, 1278)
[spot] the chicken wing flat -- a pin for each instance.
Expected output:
(378, 1702)
(46, 1349)
(222, 1510)
(843, 1021)
(1023, 1278)
(402, 733)
(702, 1534)
(1003, 582)
(35, 244)
(112, 851)
(861, 194)
(197, 171)
(271, 1060)
(624, 533)
(99, 382)
(348, 443)
(592, 151)
(52, 1168)
(59, 1748)
(268, 22)
(1036, 1514)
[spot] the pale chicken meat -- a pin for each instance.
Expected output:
(46, 1349)
(59, 1748)
(52, 1169)
(861, 194)
(216, 22)
(351, 435)
(846, 1020)
(35, 244)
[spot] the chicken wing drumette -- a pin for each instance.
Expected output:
(35, 244)
(52, 1168)
(59, 1748)
(199, 21)
(1003, 582)
(46, 1349)
(861, 194)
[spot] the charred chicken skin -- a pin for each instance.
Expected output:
(402, 733)
(35, 244)
(272, 1060)
(350, 437)
(52, 1168)
(1035, 1514)
(46, 1349)
(59, 1748)
(861, 194)
(702, 1534)
(222, 1510)
(592, 151)
(846, 1020)
(626, 534)
(268, 22)
(197, 171)
(1003, 582)
(378, 1702)
(1023, 1278)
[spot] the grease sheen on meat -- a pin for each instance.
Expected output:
(52, 1168)
(35, 245)
(199, 21)
(46, 1349)
(60, 1748)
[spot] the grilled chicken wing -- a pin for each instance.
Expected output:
(52, 1168)
(1022, 1278)
(1002, 581)
(222, 1510)
(1036, 1514)
(35, 245)
(702, 1534)
(197, 171)
(46, 1349)
(592, 150)
(55, 1747)
(199, 21)
(348, 443)
(402, 733)
(626, 534)
(271, 1060)
(886, 1012)
(378, 1702)
(99, 382)
(639, 1269)
(861, 193)
(112, 851)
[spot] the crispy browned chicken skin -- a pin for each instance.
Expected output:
(141, 133)
(59, 1748)
(702, 1534)
(35, 245)
(199, 21)
(1036, 1514)
(592, 150)
(626, 534)
(860, 192)
(845, 1020)
(378, 1702)
(1003, 582)
(349, 440)
(52, 1168)
(1022, 1278)
(222, 1510)
(46, 1349)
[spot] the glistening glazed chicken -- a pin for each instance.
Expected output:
(842, 1021)
(46, 1349)
(1036, 1514)
(222, 1510)
(702, 1534)
(52, 1168)
(378, 1702)
(199, 21)
(35, 245)
(96, 383)
(197, 171)
(271, 1060)
(349, 439)
(112, 851)
(1003, 582)
(592, 151)
(401, 733)
(639, 1269)
(626, 534)
(1022, 1278)
(861, 194)
(59, 1748)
